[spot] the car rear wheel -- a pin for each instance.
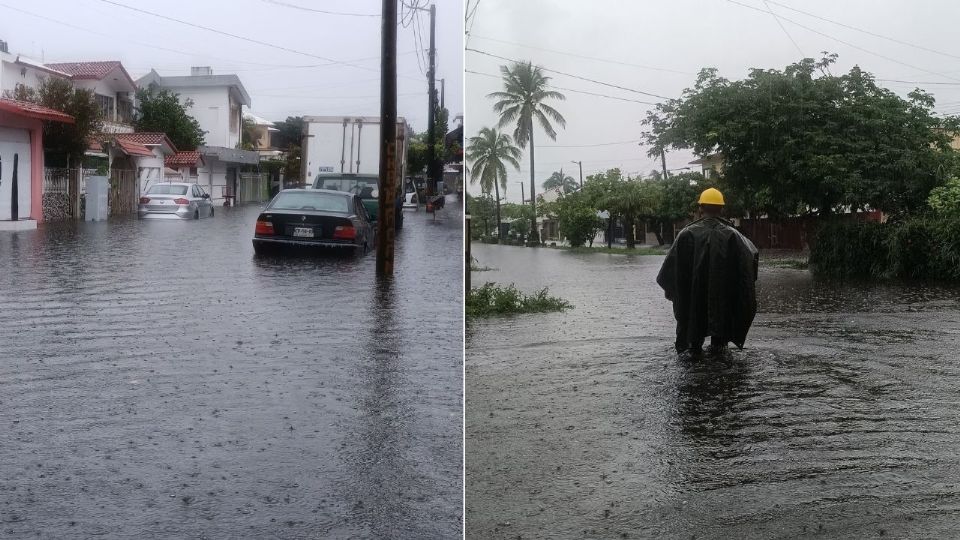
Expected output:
(196, 214)
(211, 211)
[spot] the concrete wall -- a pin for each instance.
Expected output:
(213, 178)
(211, 107)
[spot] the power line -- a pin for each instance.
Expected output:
(593, 58)
(158, 47)
(780, 24)
(302, 8)
(847, 43)
(587, 145)
(572, 90)
(874, 34)
(920, 82)
(566, 74)
(235, 36)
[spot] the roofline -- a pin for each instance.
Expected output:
(11, 106)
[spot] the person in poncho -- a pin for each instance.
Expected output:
(710, 274)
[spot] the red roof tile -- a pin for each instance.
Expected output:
(147, 137)
(32, 110)
(133, 148)
(190, 158)
(91, 70)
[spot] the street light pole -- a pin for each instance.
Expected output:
(580, 163)
(523, 197)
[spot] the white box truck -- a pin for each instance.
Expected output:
(343, 153)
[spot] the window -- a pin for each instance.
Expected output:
(106, 106)
(193, 171)
(196, 191)
(167, 189)
(311, 200)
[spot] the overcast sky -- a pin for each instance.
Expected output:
(668, 42)
(280, 83)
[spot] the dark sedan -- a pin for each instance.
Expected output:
(314, 219)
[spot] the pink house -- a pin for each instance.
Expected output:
(21, 162)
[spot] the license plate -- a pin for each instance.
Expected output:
(303, 232)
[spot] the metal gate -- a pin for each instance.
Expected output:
(123, 192)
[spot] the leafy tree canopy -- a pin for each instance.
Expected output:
(161, 110)
(65, 143)
(802, 139)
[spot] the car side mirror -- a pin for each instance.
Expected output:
(206, 195)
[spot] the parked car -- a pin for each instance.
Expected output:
(314, 218)
(366, 186)
(175, 201)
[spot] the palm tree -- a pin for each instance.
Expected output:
(490, 152)
(525, 88)
(564, 182)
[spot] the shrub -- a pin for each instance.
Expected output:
(490, 300)
(915, 248)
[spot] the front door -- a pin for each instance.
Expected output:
(14, 173)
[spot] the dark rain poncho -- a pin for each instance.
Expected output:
(709, 275)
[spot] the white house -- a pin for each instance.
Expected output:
(17, 69)
(218, 102)
(143, 152)
(112, 88)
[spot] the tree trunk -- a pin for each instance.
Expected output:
(628, 232)
(534, 237)
(496, 190)
(658, 232)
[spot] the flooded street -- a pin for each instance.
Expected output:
(839, 419)
(158, 381)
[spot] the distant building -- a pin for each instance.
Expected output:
(218, 102)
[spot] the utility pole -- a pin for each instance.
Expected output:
(523, 197)
(663, 162)
(386, 220)
(580, 163)
(443, 88)
(431, 109)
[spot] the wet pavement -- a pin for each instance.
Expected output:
(159, 381)
(839, 420)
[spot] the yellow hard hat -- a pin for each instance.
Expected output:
(711, 196)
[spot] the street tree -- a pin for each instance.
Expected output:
(577, 218)
(804, 140)
(564, 182)
(945, 200)
(65, 143)
(522, 101)
(161, 110)
(628, 200)
(490, 152)
(482, 210)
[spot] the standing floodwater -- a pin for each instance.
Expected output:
(158, 381)
(839, 419)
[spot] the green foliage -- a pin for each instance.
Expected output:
(62, 142)
(559, 180)
(804, 139)
(945, 200)
(161, 111)
(914, 248)
(522, 103)
(490, 300)
(577, 218)
(483, 213)
(288, 133)
(248, 135)
(417, 148)
(490, 152)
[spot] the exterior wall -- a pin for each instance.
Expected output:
(35, 128)
(10, 74)
(213, 178)
(211, 107)
(108, 87)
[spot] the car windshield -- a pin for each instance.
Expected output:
(306, 200)
(365, 187)
(166, 189)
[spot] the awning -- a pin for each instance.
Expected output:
(190, 158)
(133, 148)
(32, 110)
(231, 155)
